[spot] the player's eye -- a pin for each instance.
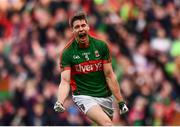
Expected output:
(76, 27)
(83, 25)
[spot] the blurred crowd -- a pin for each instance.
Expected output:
(144, 38)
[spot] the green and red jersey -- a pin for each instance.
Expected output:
(86, 64)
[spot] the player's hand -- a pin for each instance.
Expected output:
(58, 107)
(123, 108)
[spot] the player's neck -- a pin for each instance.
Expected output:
(84, 44)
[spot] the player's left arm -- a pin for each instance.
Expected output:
(109, 73)
(112, 81)
(114, 86)
(111, 78)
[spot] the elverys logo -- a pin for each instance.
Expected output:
(86, 67)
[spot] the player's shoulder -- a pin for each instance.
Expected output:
(98, 41)
(68, 46)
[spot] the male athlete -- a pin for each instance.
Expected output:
(86, 70)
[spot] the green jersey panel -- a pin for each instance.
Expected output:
(87, 76)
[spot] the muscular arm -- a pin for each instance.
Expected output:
(64, 87)
(112, 81)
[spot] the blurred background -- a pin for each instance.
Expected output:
(144, 36)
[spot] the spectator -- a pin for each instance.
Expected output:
(144, 36)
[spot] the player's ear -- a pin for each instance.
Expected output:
(72, 30)
(88, 27)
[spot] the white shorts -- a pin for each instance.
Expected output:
(85, 102)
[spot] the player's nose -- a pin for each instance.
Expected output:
(80, 28)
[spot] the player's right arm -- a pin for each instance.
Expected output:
(63, 90)
(64, 86)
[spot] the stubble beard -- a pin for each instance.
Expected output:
(82, 38)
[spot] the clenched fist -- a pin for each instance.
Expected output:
(123, 108)
(58, 107)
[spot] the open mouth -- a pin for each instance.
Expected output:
(82, 35)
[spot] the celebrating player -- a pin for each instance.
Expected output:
(86, 69)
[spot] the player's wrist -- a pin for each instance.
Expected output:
(60, 102)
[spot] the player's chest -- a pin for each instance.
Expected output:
(80, 56)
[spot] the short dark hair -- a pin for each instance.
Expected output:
(78, 16)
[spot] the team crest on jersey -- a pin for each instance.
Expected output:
(86, 55)
(96, 53)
